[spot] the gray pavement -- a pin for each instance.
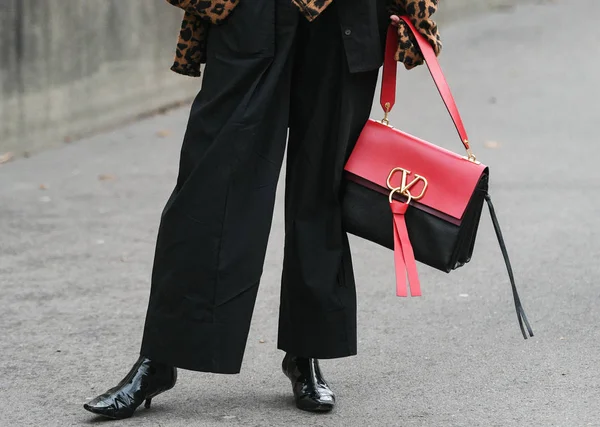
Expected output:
(75, 260)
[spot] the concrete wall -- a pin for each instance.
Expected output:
(71, 67)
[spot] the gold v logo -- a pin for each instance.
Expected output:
(405, 185)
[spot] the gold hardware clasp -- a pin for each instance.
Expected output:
(405, 186)
(385, 119)
(470, 156)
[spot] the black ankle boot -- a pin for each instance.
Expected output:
(311, 392)
(146, 380)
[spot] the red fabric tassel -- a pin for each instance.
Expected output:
(404, 256)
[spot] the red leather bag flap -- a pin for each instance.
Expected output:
(451, 178)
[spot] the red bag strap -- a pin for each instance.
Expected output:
(388, 86)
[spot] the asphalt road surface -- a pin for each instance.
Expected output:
(78, 225)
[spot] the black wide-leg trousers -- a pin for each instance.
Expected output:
(268, 70)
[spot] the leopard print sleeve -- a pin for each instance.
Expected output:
(190, 52)
(191, 45)
(419, 12)
(214, 11)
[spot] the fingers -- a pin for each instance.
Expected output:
(395, 20)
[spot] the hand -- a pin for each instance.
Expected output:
(408, 51)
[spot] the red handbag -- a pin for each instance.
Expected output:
(414, 197)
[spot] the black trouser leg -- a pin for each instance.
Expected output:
(328, 110)
(214, 229)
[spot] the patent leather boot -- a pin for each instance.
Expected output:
(146, 380)
(311, 392)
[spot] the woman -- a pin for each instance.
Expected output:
(304, 66)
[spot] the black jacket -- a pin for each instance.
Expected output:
(363, 27)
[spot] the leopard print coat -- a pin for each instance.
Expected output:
(199, 14)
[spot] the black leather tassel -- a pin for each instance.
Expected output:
(522, 318)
